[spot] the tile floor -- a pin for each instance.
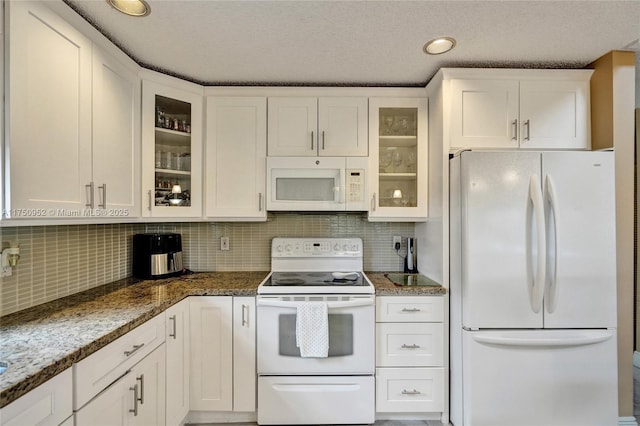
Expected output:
(378, 423)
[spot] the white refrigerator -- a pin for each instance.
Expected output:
(533, 289)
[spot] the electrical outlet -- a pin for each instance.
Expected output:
(224, 243)
(397, 242)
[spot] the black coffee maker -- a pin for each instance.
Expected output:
(157, 255)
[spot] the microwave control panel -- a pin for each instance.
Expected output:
(355, 184)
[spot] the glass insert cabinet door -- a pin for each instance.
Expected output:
(172, 151)
(398, 162)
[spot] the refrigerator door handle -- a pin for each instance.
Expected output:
(535, 207)
(551, 287)
(581, 338)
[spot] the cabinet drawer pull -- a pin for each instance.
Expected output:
(412, 392)
(134, 350)
(91, 202)
(259, 201)
(104, 196)
(410, 310)
(373, 202)
(141, 380)
(245, 321)
(312, 140)
(173, 333)
(150, 198)
(323, 139)
(514, 123)
(527, 133)
(135, 400)
(412, 346)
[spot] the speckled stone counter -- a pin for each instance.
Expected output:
(385, 287)
(42, 341)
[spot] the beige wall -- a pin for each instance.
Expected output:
(57, 261)
(612, 117)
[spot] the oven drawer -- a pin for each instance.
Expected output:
(412, 344)
(410, 309)
(316, 400)
(409, 390)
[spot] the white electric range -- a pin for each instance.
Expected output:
(338, 388)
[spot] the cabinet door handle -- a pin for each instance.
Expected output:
(412, 346)
(412, 392)
(173, 333)
(245, 320)
(312, 140)
(410, 310)
(514, 125)
(150, 199)
(91, 203)
(323, 139)
(134, 350)
(104, 196)
(135, 400)
(259, 201)
(373, 202)
(141, 380)
(527, 128)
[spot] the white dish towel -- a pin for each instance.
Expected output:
(312, 329)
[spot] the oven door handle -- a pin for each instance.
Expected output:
(330, 305)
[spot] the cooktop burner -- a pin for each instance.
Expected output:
(322, 279)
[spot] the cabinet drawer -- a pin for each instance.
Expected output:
(102, 368)
(409, 309)
(409, 390)
(401, 345)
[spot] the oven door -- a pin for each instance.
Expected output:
(301, 183)
(351, 336)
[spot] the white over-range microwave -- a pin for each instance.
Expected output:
(317, 183)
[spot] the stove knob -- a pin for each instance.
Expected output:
(336, 247)
(345, 247)
(354, 247)
(288, 247)
(279, 249)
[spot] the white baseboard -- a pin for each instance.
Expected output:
(408, 416)
(627, 421)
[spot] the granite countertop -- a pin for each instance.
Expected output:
(385, 287)
(42, 341)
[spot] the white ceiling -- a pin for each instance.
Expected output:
(360, 42)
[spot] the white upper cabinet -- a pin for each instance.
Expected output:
(309, 126)
(535, 109)
(73, 122)
(398, 160)
(49, 112)
(116, 136)
(236, 158)
(171, 151)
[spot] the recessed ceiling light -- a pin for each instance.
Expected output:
(439, 45)
(131, 7)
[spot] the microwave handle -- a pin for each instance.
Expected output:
(342, 188)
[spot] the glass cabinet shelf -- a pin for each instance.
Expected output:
(173, 172)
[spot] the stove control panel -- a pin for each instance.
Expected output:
(316, 247)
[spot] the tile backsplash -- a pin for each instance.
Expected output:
(60, 260)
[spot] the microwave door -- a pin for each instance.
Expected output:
(306, 189)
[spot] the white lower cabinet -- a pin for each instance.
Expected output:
(223, 374)
(178, 362)
(410, 355)
(211, 353)
(48, 404)
(137, 398)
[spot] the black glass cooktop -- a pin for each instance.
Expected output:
(288, 279)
